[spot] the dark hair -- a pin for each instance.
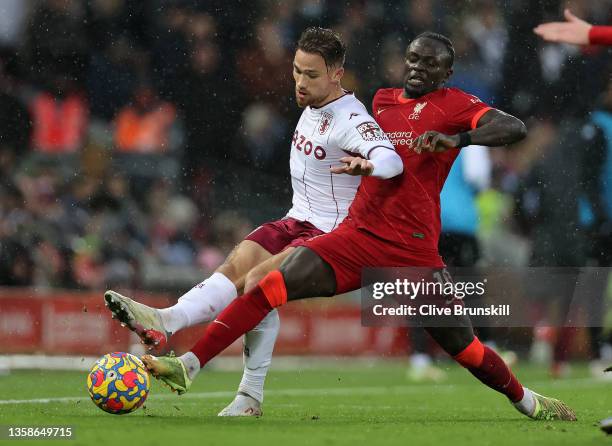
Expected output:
(440, 38)
(324, 42)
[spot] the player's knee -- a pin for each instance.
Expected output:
(252, 278)
(230, 270)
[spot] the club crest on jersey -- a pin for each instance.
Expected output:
(370, 131)
(325, 122)
(418, 108)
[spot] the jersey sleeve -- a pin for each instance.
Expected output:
(362, 136)
(466, 110)
(600, 35)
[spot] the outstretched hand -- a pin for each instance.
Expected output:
(432, 141)
(574, 30)
(354, 165)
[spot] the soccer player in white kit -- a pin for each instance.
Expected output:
(335, 142)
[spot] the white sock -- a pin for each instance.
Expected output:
(192, 364)
(258, 348)
(527, 404)
(200, 304)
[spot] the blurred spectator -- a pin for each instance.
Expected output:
(602, 209)
(112, 76)
(147, 125)
(549, 205)
(261, 143)
(211, 112)
(485, 27)
(60, 117)
(264, 69)
(470, 175)
(549, 197)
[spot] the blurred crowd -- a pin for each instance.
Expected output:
(139, 141)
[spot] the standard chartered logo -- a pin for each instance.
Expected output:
(401, 138)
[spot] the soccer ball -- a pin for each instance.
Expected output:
(118, 383)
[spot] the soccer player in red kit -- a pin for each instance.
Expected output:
(392, 222)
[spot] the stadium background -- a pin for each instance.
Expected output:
(140, 141)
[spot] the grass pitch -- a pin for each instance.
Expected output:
(371, 405)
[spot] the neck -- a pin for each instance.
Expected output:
(409, 95)
(335, 94)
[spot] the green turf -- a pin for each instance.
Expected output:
(345, 405)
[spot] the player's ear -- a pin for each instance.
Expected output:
(449, 73)
(337, 74)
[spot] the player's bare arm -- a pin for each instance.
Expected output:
(495, 128)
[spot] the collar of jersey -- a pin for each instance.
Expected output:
(346, 93)
(402, 100)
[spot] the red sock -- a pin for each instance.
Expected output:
(242, 315)
(490, 369)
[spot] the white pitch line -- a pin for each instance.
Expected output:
(577, 382)
(229, 394)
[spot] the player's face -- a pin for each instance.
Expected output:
(314, 81)
(427, 67)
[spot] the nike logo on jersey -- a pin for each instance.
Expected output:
(380, 110)
(216, 321)
(353, 114)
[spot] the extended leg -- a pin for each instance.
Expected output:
(201, 304)
(207, 299)
(303, 273)
(486, 365)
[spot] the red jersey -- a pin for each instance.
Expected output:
(405, 210)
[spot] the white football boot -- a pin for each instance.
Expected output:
(242, 406)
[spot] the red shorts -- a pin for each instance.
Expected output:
(348, 250)
(276, 236)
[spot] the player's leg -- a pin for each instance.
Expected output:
(305, 274)
(207, 299)
(200, 304)
(258, 348)
(486, 365)
(302, 274)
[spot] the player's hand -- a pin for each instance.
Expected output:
(354, 165)
(574, 31)
(432, 141)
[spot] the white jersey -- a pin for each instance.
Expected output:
(323, 136)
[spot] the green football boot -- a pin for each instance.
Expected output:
(170, 370)
(549, 409)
